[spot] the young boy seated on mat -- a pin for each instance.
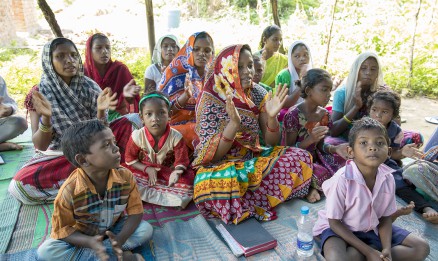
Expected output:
(88, 219)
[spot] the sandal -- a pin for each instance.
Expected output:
(433, 120)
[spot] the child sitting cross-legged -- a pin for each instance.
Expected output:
(385, 107)
(356, 223)
(91, 203)
(158, 156)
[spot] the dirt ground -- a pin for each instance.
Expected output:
(413, 110)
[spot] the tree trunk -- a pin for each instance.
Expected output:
(330, 34)
(274, 6)
(50, 18)
(151, 26)
(411, 58)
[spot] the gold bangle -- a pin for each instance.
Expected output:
(347, 120)
(45, 129)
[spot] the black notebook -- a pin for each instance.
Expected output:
(247, 238)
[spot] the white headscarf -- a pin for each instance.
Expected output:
(156, 55)
(293, 73)
(351, 82)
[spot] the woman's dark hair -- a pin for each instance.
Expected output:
(79, 137)
(387, 96)
(163, 98)
(268, 32)
(298, 45)
(312, 78)
(98, 36)
(246, 47)
(366, 123)
(59, 41)
(204, 35)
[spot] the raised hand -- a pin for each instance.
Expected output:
(231, 109)
(41, 105)
(318, 133)
(107, 100)
(411, 151)
(99, 248)
(357, 98)
(188, 89)
(174, 177)
(275, 103)
(117, 248)
(130, 90)
(303, 70)
(152, 174)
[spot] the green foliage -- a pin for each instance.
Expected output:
(423, 82)
(137, 61)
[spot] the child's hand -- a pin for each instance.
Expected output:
(174, 176)
(106, 100)
(386, 254)
(231, 109)
(318, 133)
(374, 255)
(275, 102)
(41, 105)
(99, 248)
(411, 151)
(152, 174)
(303, 70)
(117, 248)
(130, 90)
(341, 150)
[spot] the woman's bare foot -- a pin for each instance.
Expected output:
(5, 146)
(430, 215)
(313, 195)
(406, 210)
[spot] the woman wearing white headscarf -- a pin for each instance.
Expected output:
(164, 52)
(299, 62)
(349, 101)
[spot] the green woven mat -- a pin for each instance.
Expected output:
(9, 209)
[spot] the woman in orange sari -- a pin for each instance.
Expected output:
(182, 81)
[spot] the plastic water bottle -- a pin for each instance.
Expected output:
(305, 235)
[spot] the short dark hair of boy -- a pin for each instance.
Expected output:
(312, 78)
(387, 96)
(79, 137)
(366, 123)
(141, 105)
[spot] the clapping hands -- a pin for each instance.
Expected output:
(107, 100)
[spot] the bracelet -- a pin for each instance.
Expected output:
(324, 146)
(44, 128)
(297, 144)
(177, 104)
(226, 139)
(144, 170)
(273, 130)
(347, 120)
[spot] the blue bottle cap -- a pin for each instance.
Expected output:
(304, 210)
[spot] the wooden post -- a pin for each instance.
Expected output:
(330, 34)
(274, 6)
(411, 57)
(50, 18)
(151, 26)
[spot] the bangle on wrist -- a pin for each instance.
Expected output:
(177, 104)
(276, 129)
(144, 170)
(227, 139)
(44, 128)
(297, 144)
(347, 120)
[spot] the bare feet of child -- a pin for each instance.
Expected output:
(313, 196)
(430, 215)
(5, 146)
(406, 210)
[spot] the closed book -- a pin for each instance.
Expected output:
(247, 238)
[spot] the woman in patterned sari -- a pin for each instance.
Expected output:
(182, 81)
(63, 96)
(237, 178)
